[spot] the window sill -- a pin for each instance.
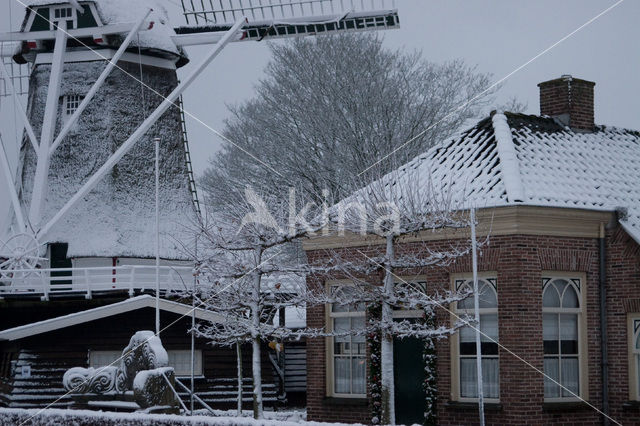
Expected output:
(458, 405)
(631, 405)
(353, 402)
(564, 406)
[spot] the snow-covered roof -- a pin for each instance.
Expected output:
(121, 11)
(517, 159)
(128, 305)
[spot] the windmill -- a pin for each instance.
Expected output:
(102, 86)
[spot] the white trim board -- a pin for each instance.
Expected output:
(92, 56)
(132, 304)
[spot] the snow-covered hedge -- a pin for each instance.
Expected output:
(56, 417)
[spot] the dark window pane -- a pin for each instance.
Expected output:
(467, 348)
(489, 348)
(569, 347)
(551, 347)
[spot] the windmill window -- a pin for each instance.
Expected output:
(70, 104)
(67, 14)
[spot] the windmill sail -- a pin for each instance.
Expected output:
(288, 18)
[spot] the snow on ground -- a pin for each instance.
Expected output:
(51, 417)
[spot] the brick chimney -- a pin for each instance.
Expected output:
(570, 101)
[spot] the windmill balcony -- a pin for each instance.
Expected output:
(92, 281)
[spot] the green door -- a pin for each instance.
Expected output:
(409, 375)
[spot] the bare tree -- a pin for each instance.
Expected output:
(331, 106)
(515, 105)
(247, 260)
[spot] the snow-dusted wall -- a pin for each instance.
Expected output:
(117, 218)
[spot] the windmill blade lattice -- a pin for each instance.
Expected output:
(285, 18)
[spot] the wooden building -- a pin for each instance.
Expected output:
(60, 336)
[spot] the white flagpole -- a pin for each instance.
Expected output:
(476, 308)
(193, 325)
(157, 143)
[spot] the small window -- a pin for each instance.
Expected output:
(70, 104)
(104, 358)
(179, 359)
(67, 14)
(561, 330)
(466, 363)
(348, 349)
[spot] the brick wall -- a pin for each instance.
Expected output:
(519, 262)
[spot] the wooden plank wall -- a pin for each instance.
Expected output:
(51, 354)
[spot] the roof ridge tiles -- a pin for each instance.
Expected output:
(509, 163)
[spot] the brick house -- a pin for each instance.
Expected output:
(559, 197)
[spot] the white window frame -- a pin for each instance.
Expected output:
(330, 360)
(70, 104)
(634, 356)
(73, 17)
(578, 282)
(457, 281)
(114, 355)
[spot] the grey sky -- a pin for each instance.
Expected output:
(496, 35)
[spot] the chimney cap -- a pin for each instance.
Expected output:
(565, 78)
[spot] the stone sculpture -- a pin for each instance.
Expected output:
(142, 374)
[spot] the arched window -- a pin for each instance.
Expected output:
(636, 352)
(561, 316)
(634, 357)
(488, 307)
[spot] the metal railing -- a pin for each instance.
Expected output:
(87, 281)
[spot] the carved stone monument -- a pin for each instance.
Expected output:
(142, 376)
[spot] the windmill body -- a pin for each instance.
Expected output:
(114, 223)
(116, 219)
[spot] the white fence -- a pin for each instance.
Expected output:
(87, 281)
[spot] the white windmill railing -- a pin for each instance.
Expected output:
(228, 11)
(59, 282)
